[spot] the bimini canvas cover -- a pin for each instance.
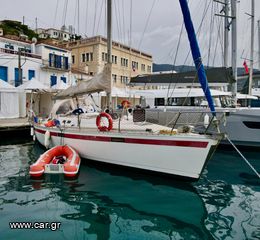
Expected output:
(9, 101)
(100, 82)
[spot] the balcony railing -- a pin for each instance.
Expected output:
(26, 54)
(46, 65)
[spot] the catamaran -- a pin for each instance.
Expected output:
(131, 141)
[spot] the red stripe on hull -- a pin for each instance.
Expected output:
(179, 143)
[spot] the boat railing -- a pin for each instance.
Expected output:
(170, 121)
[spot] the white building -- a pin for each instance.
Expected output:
(46, 63)
(55, 65)
(54, 33)
(9, 54)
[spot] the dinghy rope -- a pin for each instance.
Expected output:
(248, 163)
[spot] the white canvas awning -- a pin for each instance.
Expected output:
(9, 100)
(33, 84)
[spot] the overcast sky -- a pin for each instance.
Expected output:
(156, 24)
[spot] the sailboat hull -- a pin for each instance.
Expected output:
(183, 155)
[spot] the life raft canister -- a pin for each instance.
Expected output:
(103, 128)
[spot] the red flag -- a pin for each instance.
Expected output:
(246, 67)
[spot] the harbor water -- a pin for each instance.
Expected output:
(108, 203)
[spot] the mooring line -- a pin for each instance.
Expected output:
(248, 163)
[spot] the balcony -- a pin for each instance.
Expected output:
(26, 54)
(46, 64)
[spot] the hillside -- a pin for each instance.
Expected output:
(17, 28)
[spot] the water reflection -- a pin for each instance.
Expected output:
(112, 204)
(233, 210)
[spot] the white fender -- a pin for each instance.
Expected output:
(32, 131)
(47, 138)
(206, 120)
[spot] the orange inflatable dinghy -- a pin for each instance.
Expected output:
(59, 159)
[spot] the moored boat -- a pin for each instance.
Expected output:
(59, 159)
(133, 142)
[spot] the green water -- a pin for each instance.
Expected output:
(117, 204)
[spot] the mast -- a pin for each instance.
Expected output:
(234, 52)
(251, 47)
(226, 42)
(109, 49)
(258, 23)
(196, 54)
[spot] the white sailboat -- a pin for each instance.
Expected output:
(132, 143)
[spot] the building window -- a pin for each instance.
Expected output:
(31, 74)
(89, 57)
(104, 57)
(83, 57)
(63, 79)
(73, 59)
(134, 65)
(124, 62)
(4, 73)
(149, 68)
(53, 80)
(143, 67)
(123, 79)
(114, 59)
(114, 77)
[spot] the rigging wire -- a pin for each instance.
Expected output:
(94, 24)
(220, 24)
(78, 18)
(86, 21)
(55, 15)
(117, 21)
(147, 21)
(130, 24)
(75, 13)
(100, 15)
(210, 35)
(175, 59)
(123, 22)
(119, 18)
(64, 12)
(105, 24)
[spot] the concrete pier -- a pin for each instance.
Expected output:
(14, 130)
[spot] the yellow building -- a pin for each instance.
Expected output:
(90, 55)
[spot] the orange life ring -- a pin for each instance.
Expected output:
(103, 128)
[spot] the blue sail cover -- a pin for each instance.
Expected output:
(196, 53)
